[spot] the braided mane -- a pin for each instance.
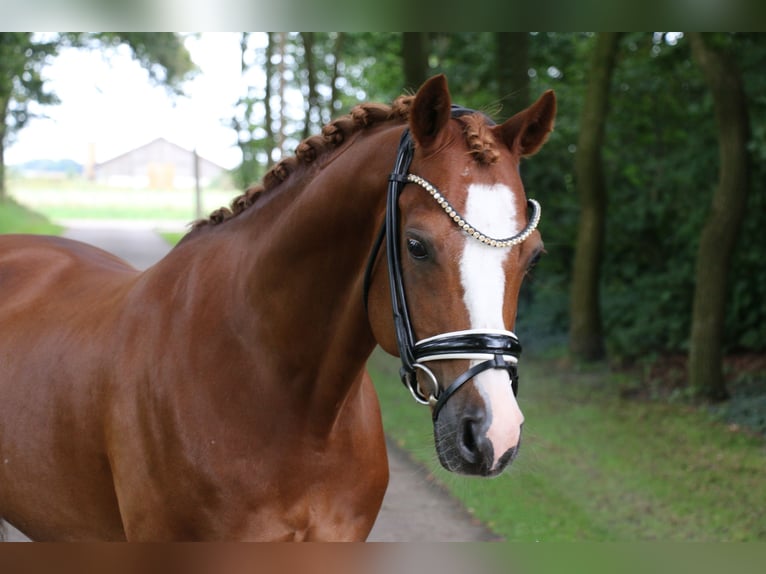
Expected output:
(478, 137)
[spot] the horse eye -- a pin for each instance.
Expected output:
(534, 261)
(416, 248)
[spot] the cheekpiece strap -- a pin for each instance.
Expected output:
(405, 338)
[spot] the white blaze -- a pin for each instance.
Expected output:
(491, 210)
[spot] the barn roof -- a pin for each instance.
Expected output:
(159, 144)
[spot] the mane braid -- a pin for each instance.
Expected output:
(332, 136)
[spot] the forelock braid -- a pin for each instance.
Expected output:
(481, 142)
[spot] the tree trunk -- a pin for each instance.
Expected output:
(281, 87)
(337, 51)
(414, 58)
(586, 339)
(268, 119)
(719, 234)
(244, 41)
(512, 57)
(312, 101)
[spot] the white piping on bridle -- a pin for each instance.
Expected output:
(432, 396)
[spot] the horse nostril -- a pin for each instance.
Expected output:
(468, 440)
(474, 445)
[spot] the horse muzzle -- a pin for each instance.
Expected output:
(477, 433)
(462, 432)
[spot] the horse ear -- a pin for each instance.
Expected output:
(430, 111)
(527, 131)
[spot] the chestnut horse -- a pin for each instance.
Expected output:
(222, 393)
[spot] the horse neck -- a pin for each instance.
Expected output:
(300, 261)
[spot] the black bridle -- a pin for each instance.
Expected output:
(494, 349)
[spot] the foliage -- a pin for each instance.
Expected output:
(463, 58)
(162, 54)
(661, 165)
(21, 61)
(659, 194)
(668, 119)
(350, 68)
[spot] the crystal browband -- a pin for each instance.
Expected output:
(468, 228)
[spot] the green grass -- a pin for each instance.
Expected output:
(15, 218)
(80, 199)
(594, 467)
(172, 237)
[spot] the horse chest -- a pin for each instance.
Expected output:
(320, 514)
(228, 484)
(333, 495)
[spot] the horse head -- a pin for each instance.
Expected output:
(461, 236)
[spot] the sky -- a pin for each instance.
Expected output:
(109, 102)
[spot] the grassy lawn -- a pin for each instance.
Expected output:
(172, 237)
(595, 467)
(15, 218)
(80, 199)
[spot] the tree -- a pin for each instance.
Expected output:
(21, 61)
(269, 113)
(512, 57)
(162, 54)
(415, 58)
(23, 56)
(336, 51)
(727, 210)
(468, 60)
(249, 144)
(586, 332)
(312, 97)
(260, 119)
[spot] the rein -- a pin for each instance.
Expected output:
(493, 348)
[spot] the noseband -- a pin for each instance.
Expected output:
(494, 349)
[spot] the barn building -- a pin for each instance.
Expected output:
(160, 164)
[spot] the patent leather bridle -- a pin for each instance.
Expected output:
(493, 349)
